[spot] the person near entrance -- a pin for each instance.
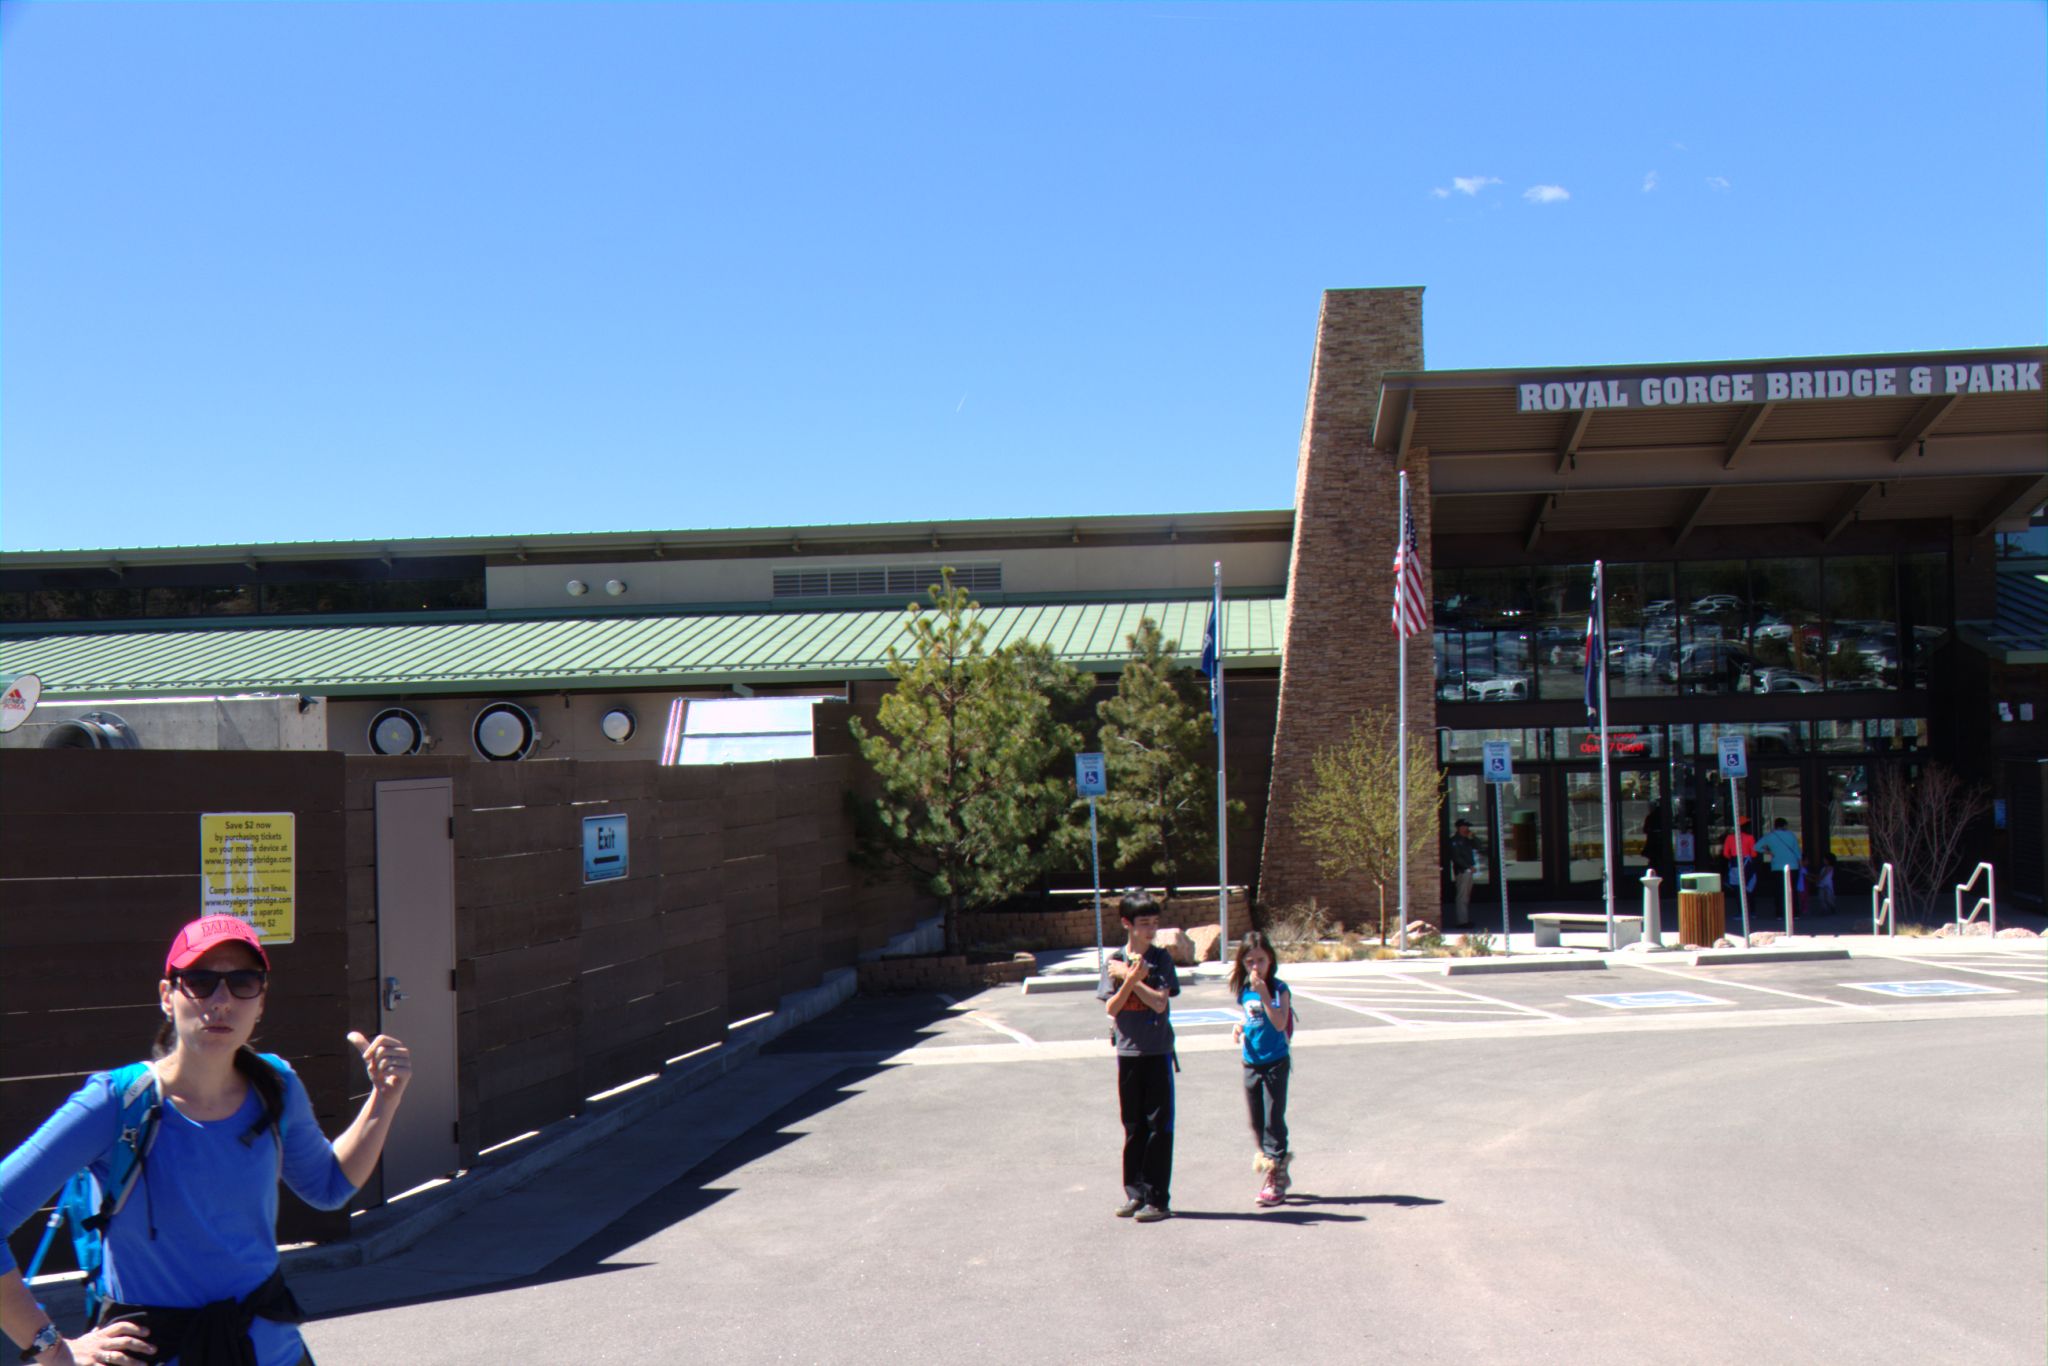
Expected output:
(1464, 860)
(190, 1268)
(1138, 983)
(1748, 846)
(1781, 847)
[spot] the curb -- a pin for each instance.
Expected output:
(1066, 981)
(1707, 958)
(392, 1228)
(1477, 967)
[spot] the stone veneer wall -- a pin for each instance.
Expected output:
(1340, 654)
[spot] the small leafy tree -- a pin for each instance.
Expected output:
(970, 756)
(1349, 810)
(1918, 825)
(1158, 750)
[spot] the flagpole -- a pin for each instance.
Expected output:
(1606, 783)
(1401, 741)
(1222, 787)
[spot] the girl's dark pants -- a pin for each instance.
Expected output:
(1144, 1092)
(1265, 1095)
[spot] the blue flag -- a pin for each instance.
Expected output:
(1209, 669)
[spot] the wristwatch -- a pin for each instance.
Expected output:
(42, 1342)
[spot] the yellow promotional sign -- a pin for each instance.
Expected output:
(248, 868)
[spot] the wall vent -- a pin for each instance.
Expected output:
(882, 580)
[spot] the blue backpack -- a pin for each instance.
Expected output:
(90, 1206)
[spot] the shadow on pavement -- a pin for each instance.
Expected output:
(1301, 1209)
(880, 1026)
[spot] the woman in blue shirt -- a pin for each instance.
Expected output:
(191, 1270)
(1268, 1021)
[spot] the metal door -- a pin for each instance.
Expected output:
(416, 971)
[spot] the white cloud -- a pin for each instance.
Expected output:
(1717, 182)
(1473, 184)
(1439, 192)
(1546, 194)
(1649, 182)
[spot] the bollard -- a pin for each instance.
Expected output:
(1653, 910)
(1787, 873)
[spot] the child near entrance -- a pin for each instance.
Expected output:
(1268, 1022)
(1138, 981)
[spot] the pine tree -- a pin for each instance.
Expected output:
(972, 757)
(1159, 750)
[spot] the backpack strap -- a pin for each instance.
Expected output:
(140, 1093)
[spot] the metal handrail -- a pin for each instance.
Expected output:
(1988, 900)
(1882, 911)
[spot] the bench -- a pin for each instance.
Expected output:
(1550, 925)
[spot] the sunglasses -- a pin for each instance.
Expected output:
(244, 984)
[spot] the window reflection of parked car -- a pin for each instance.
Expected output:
(1785, 680)
(1716, 603)
(1497, 689)
(1711, 664)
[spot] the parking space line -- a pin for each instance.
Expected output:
(1752, 986)
(985, 1022)
(1965, 967)
(1515, 1006)
(1342, 1004)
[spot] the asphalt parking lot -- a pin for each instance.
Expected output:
(1811, 1172)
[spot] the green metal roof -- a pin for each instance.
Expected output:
(613, 652)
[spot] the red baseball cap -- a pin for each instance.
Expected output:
(210, 932)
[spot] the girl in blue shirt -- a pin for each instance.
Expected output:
(191, 1270)
(1268, 1020)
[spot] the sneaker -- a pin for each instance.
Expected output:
(1129, 1208)
(1269, 1194)
(1152, 1214)
(1282, 1178)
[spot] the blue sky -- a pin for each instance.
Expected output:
(295, 272)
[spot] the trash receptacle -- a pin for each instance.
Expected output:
(1702, 915)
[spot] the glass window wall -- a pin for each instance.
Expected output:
(1560, 596)
(1789, 633)
(1863, 615)
(1713, 629)
(1642, 630)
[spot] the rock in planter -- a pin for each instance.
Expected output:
(1178, 946)
(1203, 940)
(2017, 932)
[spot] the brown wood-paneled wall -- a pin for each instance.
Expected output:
(740, 891)
(99, 866)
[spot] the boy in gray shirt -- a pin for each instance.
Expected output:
(1138, 981)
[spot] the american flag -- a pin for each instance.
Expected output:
(1411, 592)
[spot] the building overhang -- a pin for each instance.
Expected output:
(1824, 441)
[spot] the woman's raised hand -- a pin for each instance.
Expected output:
(388, 1062)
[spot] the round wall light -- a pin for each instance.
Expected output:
(577, 588)
(617, 725)
(504, 731)
(395, 730)
(615, 586)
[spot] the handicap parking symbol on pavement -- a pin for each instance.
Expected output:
(1652, 1000)
(1931, 987)
(1195, 1017)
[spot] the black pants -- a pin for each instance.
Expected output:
(1265, 1095)
(1144, 1092)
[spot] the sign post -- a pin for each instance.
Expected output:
(1091, 780)
(1734, 766)
(1500, 769)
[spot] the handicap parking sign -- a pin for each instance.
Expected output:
(1734, 758)
(1500, 766)
(1930, 987)
(1089, 776)
(1652, 1000)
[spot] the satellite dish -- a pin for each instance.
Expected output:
(94, 730)
(395, 730)
(18, 697)
(504, 732)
